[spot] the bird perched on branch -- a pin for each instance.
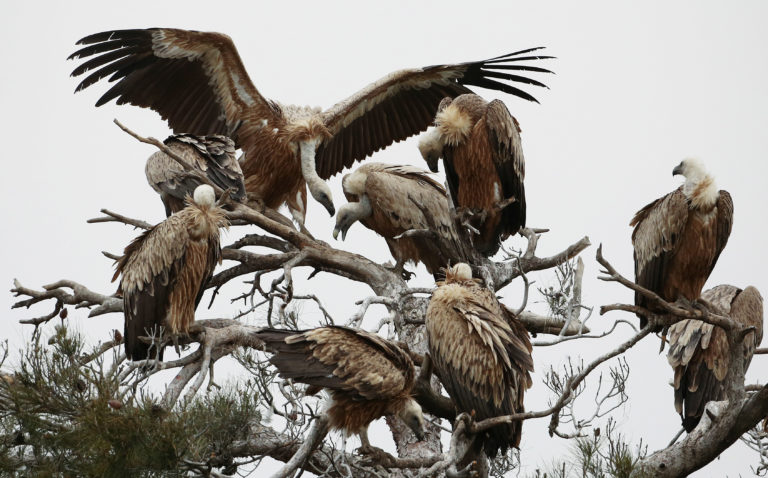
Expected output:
(212, 156)
(679, 237)
(391, 200)
(164, 272)
(366, 375)
(481, 353)
(197, 81)
(700, 354)
(479, 142)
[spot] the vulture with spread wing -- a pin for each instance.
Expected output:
(367, 376)
(391, 200)
(481, 353)
(479, 142)
(164, 272)
(197, 81)
(213, 156)
(679, 237)
(699, 352)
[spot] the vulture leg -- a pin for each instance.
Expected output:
(375, 453)
(399, 268)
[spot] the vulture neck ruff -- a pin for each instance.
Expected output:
(454, 125)
(699, 186)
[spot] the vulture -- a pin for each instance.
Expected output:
(164, 272)
(366, 375)
(481, 353)
(699, 352)
(678, 237)
(390, 200)
(197, 82)
(479, 142)
(213, 156)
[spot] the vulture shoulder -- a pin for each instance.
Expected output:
(195, 80)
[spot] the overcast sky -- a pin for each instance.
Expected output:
(637, 88)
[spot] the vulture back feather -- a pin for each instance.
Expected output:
(481, 353)
(366, 375)
(164, 272)
(213, 156)
(700, 355)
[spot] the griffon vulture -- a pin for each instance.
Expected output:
(481, 353)
(678, 237)
(197, 81)
(213, 156)
(699, 352)
(366, 375)
(388, 199)
(165, 269)
(479, 142)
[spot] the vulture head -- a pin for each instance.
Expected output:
(204, 196)
(431, 148)
(322, 194)
(349, 214)
(412, 416)
(699, 186)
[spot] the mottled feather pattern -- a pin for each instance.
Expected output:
(212, 155)
(394, 192)
(164, 271)
(367, 375)
(699, 352)
(483, 361)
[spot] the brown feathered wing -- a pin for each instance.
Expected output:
(699, 353)
(482, 361)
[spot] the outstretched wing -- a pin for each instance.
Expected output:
(404, 103)
(658, 227)
(341, 359)
(195, 80)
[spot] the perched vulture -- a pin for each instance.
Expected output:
(699, 352)
(388, 199)
(366, 375)
(678, 237)
(484, 164)
(197, 81)
(164, 272)
(481, 353)
(213, 156)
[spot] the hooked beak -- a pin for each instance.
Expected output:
(336, 231)
(678, 170)
(330, 208)
(419, 434)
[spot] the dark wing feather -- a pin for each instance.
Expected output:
(699, 352)
(149, 268)
(724, 223)
(483, 361)
(658, 227)
(341, 359)
(195, 80)
(507, 151)
(404, 103)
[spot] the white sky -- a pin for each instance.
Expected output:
(637, 88)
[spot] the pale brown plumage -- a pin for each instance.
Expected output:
(481, 353)
(213, 156)
(388, 199)
(699, 352)
(197, 81)
(678, 238)
(480, 144)
(366, 375)
(164, 272)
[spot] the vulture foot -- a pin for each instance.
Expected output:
(399, 268)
